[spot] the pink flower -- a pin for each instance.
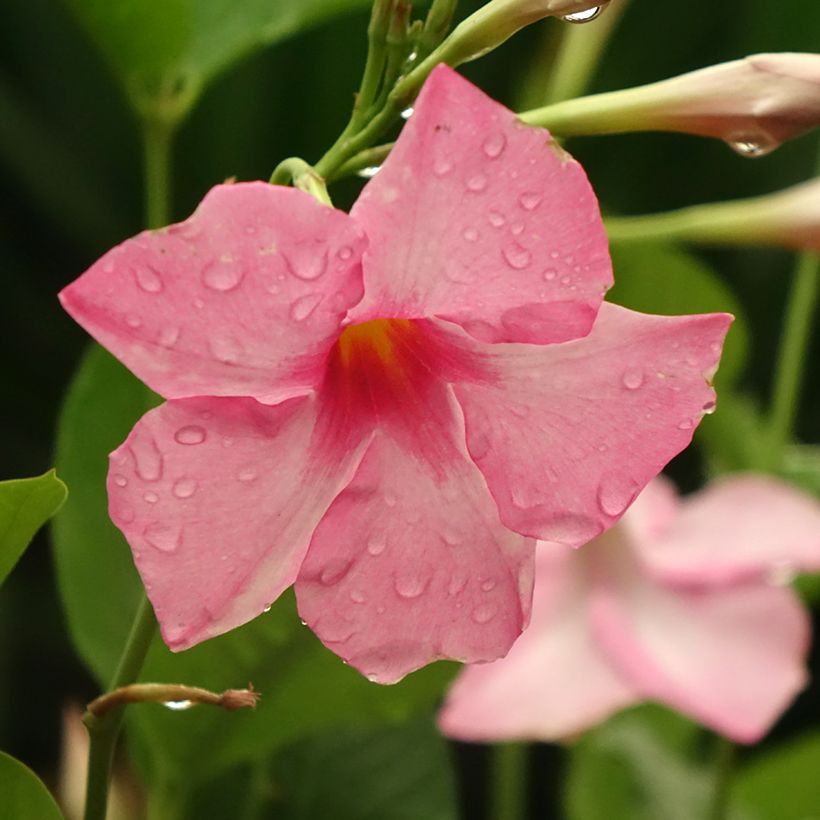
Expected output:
(385, 408)
(678, 603)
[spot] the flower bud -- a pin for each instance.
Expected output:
(753, 104)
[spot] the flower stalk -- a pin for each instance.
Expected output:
(169, 693)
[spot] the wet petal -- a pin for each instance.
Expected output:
(481, 220)
(555, 681)
(567, 435)
(731, 658)
(244, 298)
(741, 527)
(411, 564)
(218, 499)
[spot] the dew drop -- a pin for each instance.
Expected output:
(517, 228)
(390, 499)
(336, 631)
(133, 321)
(470, 234)
(407, 113)
(148, 279)
(334, 571)
(304, 306)
(686, 424)
(570, 529)
(344, 253)
(168, 336)
(516, 256)
(494, 145)
(226, 348)
(460, 273)
(120, 480)
(411, 586)
(357, 596)
(709, 408)
(150, 497)
(178, 705)
(484, 614)
(190, 434)
(529, 201)
(457, 584)
(616, 493)
(451, 538)
(223, 274)
(163, 537)
(376, 544)
(496, 219)
(477, 183)
(247, 476)
(184, 488)
(312, 266)
(442, 167)
(549, 274)
(198, 303)
(148, 460)
(632, 379)
(488, 585)
(586, 16)
(369, 172)
(752, 144)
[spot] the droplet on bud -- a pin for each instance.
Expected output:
(585, 16)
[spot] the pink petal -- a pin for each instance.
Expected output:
(411, 564)
(244, 298)
(555, 681)
(569, 434)
(652, 513)
(479, 219)
(731, 658)
(743, 527)
(218, 499)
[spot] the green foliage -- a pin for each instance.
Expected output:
(664, 278)
(164, 52)
(782, 784)
(305, 687)
(22, 794)
(25, 505)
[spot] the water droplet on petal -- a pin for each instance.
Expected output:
(344, 253)
(357, 596)
(223, 274)
(168, 336)
(148, 461)
(336, 631)
(470, 234)
(632, 379)
(615, 493)
(457, 584)
(530, 201)
(570, 529)
(369, 172)
(184, 488)
(311, 267)
(334, 571)
(376, 544)
(133, 321)
(686, 424)
(390, 499)
(150, 496)
(164, 537)
(442, 167)
(496, 219)
(452, 539)
(586, 16)
(709, 408)
(484, 614)
(190, 434)
(411, 586)
(488, 584)
(148, 279)
(120, 480)
(477, 183)
(549, 274)
(494, 145)
(247, 476)
(304, 306)
(752, 144)
(178, 705)
(517, 256)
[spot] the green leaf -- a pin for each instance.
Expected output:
(369, 774)
(663, 278)
(305, 687)
(735, 436)
(165, 51)
(25, 505)
(22, 794)
(782, 784)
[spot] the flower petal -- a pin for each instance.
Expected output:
(742, 527)
(731, 658)
(481, 220)
(555, 681)
(218, 499)
(569, 434)
(411, 564)
(244, 298)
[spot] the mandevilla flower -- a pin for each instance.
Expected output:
(386, 407)
(679, 603)
(754, 104)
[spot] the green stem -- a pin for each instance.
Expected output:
(792, 356)
(157, 141)
(103, 731)
(509, 781)
(725, 755)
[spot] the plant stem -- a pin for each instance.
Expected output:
(103, 731)
(790, 370)
(157, 141)
(725, 754)
(509, 781)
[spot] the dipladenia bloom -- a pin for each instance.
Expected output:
(681, 602)
(386, 407)
(753, 104)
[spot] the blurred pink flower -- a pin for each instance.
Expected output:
(682, 602)
(385, 408)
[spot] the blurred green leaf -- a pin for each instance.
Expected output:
(782, 784)
(22, 794)
(305, 687)
(801, 466)
(733, 436)
(664, 278)
(25, 505)
(400, 773)
(166, 51)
